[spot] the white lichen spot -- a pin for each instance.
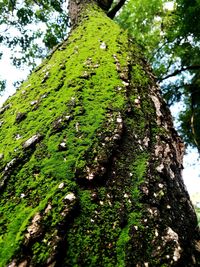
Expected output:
(156, 102)
(125, 83)
(116, 137)
(34, 102)
(34, 227)
(61, 185)
(36, 218)
(10, 164)
(153, 212)
(146, 141)
(107, 139)
(90, 174)
(73, 100)
(34, 139)
(160, 168)
(18, 136)
(70, 197)
(173, 236)
(62, 145)
(172, 175)
(77, 126)
(65, 212)
(44, 96)
(109, 202)
(67, 117)
(156, 233)
(48, 208)
(103, 46)
(22, 195)
(177, 254)
(119, 119)
(137, 101)
(45, 76)
(114, 225)
(155, 195)
(141, 148)
(96, 65)
(167, 150)
(158, 151)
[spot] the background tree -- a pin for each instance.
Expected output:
(90, 161)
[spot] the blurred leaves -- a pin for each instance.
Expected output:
(2, 86)
(24, 24)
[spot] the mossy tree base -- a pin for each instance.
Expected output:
(90, 161)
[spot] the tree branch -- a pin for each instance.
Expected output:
(176, 72)
(111, 14)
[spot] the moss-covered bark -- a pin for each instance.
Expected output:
(90, 162)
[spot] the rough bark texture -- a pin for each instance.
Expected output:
(90, 161)
(76, 6)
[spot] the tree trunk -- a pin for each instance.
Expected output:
(90, 161)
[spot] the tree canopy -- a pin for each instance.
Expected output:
(168, 31)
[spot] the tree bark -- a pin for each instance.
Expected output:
(90, 162)
(76, 6)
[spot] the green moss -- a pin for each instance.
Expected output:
(12, 237)
(124, 238)
(140, 77)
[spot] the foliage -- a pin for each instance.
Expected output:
(2, 85)
(24, 22)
